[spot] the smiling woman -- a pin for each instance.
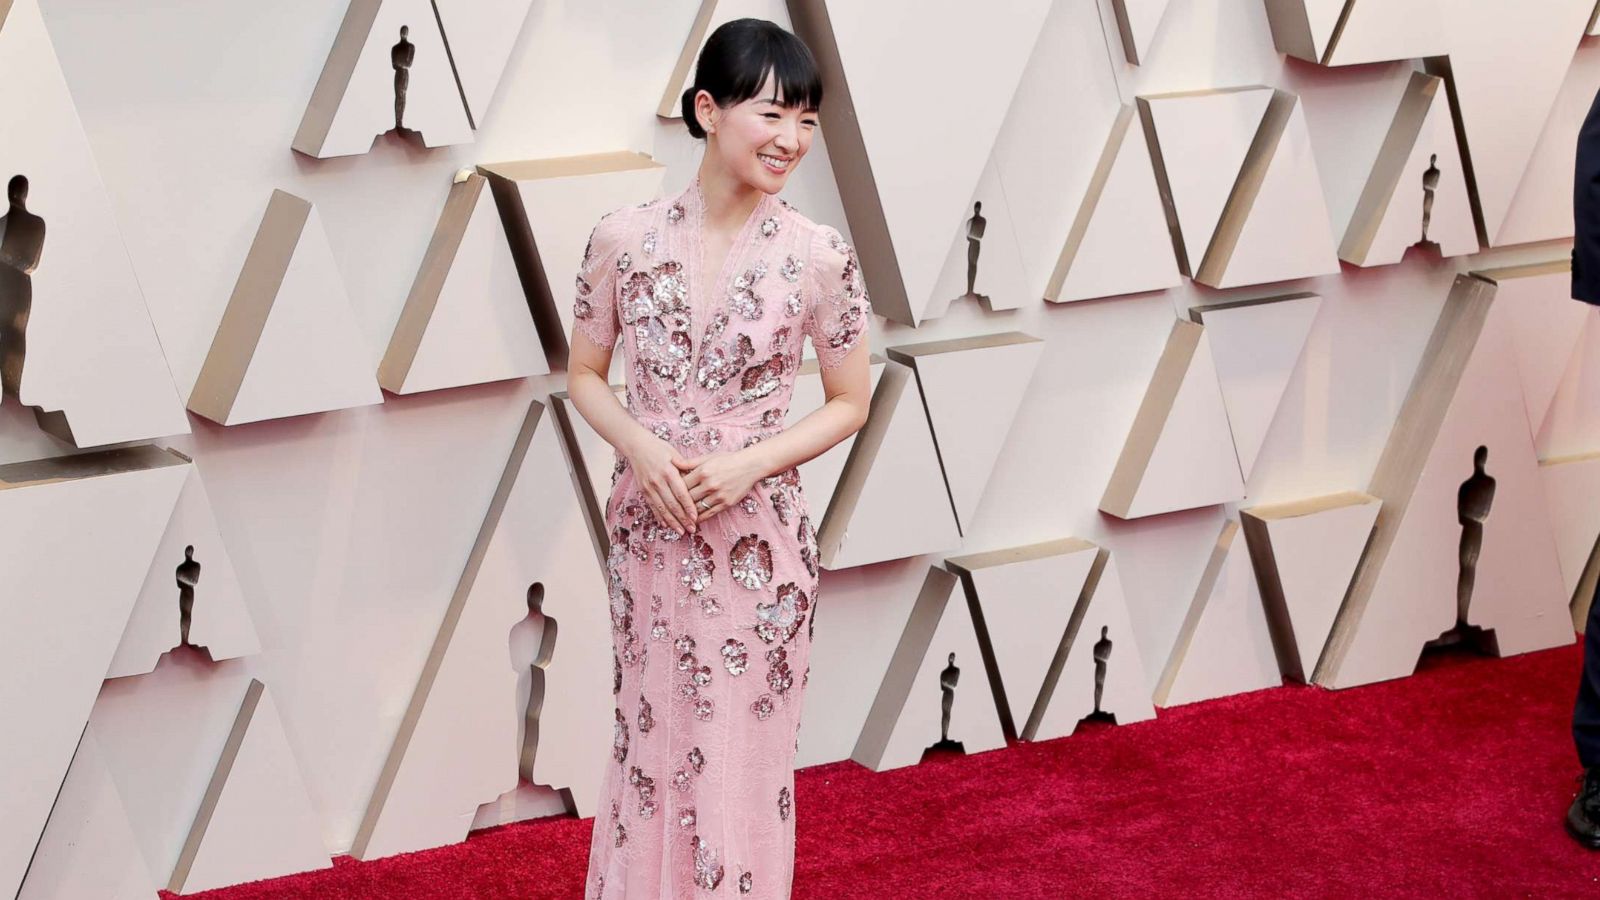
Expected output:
(712, 568)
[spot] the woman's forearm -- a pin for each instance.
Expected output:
(810, 437)
(599, 406)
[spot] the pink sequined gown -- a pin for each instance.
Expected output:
(711, 631)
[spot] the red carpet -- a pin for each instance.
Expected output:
(1451, 782)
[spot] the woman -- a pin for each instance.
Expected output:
(713, 567)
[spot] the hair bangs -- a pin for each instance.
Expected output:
(796, 79)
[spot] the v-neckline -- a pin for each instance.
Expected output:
(721, 283)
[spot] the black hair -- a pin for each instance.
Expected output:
(735, 61)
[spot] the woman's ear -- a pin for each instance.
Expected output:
(706, 111)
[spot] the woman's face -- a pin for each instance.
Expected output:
(758, 140)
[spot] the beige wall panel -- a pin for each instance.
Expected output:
(1304, 28)
(219, 619)
(1507, 68)
(907, 713)
(1547, 327)
(891, 501)
(480, 35)
(1305, 552)
(1382, 30)
(1199, 141)
(1257, 345)
(354, 100)
(999, 277)
(288, 343)
(1137, 21)
(1572, 490)
(1388, 217)
(1571, 425)
(255, 820)
(1542, 207)
(109, 507)
(1275, 225)
(549, 207)
(1024, 593)
(1101, 613)
(1179, 453)
(972, 388)
(93, 367)
(466, 320)
(1224, 645)
(1049, 145)
(1405, 593)
(458, 745)
(88, 848)
(1119, 243)
(906, 167)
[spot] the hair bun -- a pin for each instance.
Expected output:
(689, 119)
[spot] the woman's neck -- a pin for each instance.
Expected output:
(728, 201)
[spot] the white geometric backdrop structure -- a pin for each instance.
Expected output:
(1136, 438)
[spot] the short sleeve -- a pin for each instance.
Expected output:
(838, 310)
(594, 309)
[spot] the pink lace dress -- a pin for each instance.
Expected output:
(712, 630)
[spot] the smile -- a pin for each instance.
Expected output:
(775, 163)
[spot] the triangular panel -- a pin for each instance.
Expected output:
(466, 320)
(549, 207)
(1024, 592)
(1505, 69)
(884, 109)
(1119, 243)
(91, 365)
(1179, 452)
(1199, 141)
(1224, 646)
(1275, 225)
(984, 254)
(1304, 29)
(1137, 21)
(458, 743)
(480, 35)
(289, 343)
(88, 848)
(1098, 648)
(1572, 492)
(1382, 30)
(972, 388)
(79, 532)
(1418, 177)
(891, 500)
(191, 556)
(906, 716)
(1257, 344)
(1305, 553)
(355, 98)
(1460, 452)
(1547, 327)
(256, 819)
(1067, 93)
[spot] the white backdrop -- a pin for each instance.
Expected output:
(349, 529)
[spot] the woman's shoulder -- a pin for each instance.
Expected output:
(614, 230)
(805, 226)
(828, 247)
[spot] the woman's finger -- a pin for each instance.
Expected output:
(681, 495)
(716, 507)
(677, 499)
(664, 510)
